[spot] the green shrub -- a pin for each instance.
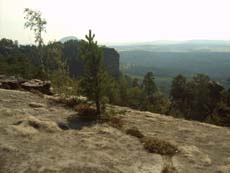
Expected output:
(122, 112)
(63, 84)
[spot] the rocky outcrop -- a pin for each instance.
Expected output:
(11, 82)
(111, 60)
(76, 66)
(31, 140)
(38, 85)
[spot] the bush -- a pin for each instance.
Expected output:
(116, 122)
(63, 84)
(85, 112)
(155, 145)
(134, 131)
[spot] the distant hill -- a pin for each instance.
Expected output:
(179, 46)
(167, 59)
(65, 39)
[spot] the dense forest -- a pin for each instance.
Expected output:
(167, 63)
(196, 98)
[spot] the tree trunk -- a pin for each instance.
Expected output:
(98, 107)
(41, 52)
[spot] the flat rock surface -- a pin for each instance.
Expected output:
(32, 140)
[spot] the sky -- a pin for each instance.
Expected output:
(120, 21)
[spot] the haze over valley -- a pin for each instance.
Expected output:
(170, 58)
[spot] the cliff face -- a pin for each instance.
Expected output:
(32, 139)
(111, 59)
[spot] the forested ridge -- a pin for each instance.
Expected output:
(196, 98)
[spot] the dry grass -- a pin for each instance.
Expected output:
(71, 102)
(2, 162)
(36, 92)
(168, 169)
(116, 122)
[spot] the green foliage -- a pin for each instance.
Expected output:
(112, 112)
(158, 104)
(166, 65)
(180, 95)
(134, 97)
(123, 87)
(135, 83)
(14, 61)
(57, 70)
(200, 99)
(7, 43)
(220, 115)
(94, 79)
(21, 61)
(63, 84)
(35, 22)
(149, 86)
(178, 88)
(113, 91)
(54, 58)
(198, 105)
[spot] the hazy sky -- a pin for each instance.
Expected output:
(120, 21)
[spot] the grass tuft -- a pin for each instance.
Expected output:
(134, 131)
(159, 146)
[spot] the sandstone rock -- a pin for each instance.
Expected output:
(8, 148)
(11, 83)
(194, 154)
(31, 125)
(39, 85)
(36, 105)
(110, 58)
(32, 141)
(14, 83)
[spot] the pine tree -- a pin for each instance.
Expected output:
(149, 84)
(180, 96)
(178, 91)
(94, 79)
